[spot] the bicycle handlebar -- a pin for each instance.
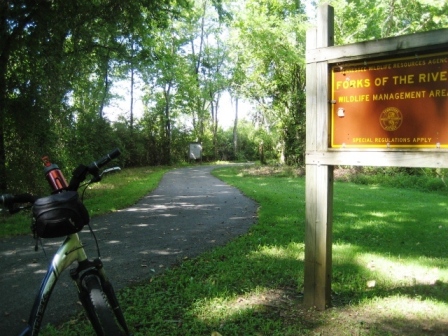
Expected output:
(8, 201)
(96, 165)
(79, 175)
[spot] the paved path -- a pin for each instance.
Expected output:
(189, 213)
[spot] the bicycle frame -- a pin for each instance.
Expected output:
(89, 276)
(71, 250)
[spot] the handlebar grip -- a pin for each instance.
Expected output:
(94, 166)
(25, 198)
(8, 200)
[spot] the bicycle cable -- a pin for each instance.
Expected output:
(96, 241)
(90, 227)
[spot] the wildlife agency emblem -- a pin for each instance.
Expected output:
(391, 119)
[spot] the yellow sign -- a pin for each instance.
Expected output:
(399, 103)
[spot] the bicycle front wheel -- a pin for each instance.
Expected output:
(98, 309)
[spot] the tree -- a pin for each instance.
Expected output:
(45, 59)
(163, 79)
(359, 20)
(208, 59)
(187, 74)
(271, 35)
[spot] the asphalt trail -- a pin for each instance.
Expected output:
(189, 213)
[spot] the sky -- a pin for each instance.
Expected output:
(121, 107)
(226, 111)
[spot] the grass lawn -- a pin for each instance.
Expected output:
(390, 274)
(115, 191)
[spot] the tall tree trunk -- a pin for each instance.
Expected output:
(131, 116)
(197, 64)
(3, 176)
(106, 86)
(131, 121)
(235, 130)
(4, 57)
(214, 108)
(167, 127)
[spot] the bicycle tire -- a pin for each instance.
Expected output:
(101, 315)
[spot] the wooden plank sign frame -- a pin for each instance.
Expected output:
(324, 149)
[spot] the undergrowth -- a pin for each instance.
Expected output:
(422, 179)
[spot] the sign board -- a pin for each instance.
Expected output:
(195, 152)
(381, 97)
(390, 103)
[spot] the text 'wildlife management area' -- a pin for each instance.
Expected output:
(400, 103)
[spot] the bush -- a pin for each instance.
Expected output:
(409, 178)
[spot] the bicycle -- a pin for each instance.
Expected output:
(64, 214)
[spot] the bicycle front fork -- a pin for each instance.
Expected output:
(95, 267)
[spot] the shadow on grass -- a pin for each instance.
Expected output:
(389, 254)
(389, 271)
(391, 221)
(389, 246)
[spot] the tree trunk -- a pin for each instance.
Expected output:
(3, 184)
(106, 86)
(235, 130)
(131, 117)
(167, 128)
(4, 57)
(214, 108)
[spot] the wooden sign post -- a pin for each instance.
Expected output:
(319, 178)
(374, 103)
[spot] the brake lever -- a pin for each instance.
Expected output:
(110, 170)
(99, 177)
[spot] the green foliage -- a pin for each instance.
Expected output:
(360, 20)
(56, 76)
(389, 269)
(427, 180)
(271, 69)
(250, 141)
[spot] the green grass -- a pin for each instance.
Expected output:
(390, 274)
(115, 191)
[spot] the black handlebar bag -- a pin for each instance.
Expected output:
(59, 215)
